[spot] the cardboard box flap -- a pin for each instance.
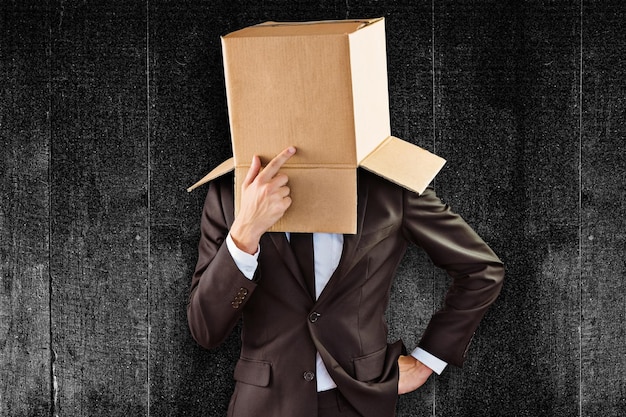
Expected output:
(325, 27)
(370, 95)
(403, 163)
(218, 171)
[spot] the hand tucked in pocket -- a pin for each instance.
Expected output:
(413, 374)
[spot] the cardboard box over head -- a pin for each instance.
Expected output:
(321, 87)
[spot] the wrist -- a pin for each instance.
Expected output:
(244, 238)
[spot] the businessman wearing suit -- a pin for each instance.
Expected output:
(314, 337)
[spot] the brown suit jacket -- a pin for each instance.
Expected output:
(284, 327)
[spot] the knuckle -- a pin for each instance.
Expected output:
(265, 191)
(281, 178)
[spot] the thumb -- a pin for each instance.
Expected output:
(253, 171)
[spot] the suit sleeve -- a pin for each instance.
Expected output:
(219, 290)
(477, 273)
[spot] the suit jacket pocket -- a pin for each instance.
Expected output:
(253, 372)
(370, 366)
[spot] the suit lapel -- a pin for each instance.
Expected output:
(286, 254)
(350, 243)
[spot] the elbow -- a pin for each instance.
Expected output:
(496, 275)
(201, 330)
(487, 283)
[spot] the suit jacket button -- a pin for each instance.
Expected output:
(309, 376)
(314, 316)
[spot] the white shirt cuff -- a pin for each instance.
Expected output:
(433, 362)
(246, 263)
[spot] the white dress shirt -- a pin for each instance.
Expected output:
(327, 248)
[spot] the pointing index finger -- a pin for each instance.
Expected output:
(275, 164)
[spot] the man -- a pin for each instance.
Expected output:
(320, 349)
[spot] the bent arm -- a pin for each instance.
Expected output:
(476, 271)
(219, 290)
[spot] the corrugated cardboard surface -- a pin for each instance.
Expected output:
(313, 28)
(323, 200)
(293, 84)
(370, 96)
(286, 91)
(404, 163)
(321, 87)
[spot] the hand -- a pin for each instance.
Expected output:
(264, 200)
(413, 374)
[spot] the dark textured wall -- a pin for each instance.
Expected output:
(109, 109)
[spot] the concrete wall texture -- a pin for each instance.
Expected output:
(109, 109)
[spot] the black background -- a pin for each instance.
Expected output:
(110, 109)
